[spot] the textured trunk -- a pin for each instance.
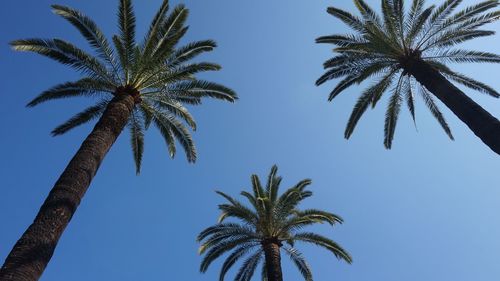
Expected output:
(482, 123)
(32, 253)
(273, 260)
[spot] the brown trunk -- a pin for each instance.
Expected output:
(481, 122)
(32, 253)
(273, 260)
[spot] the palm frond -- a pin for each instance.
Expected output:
(299, 262)
(429, 101)
(65, 53)
(81, 118)
(392, 114)
(126, 20)
(82, 87)
(248, 268)
(233, 258)
(325, 243)
(136, 140)
(91, 32)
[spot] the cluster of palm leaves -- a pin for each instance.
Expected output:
(385, 47)
(156, 69)
(151, 82)
(270, 217)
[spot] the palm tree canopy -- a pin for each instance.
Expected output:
(385, 47)
(156, 72)
(269, 217)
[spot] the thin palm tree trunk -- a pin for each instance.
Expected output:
(33, 251)
(273, 260)
(480, 121)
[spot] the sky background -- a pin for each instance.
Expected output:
(425, 210)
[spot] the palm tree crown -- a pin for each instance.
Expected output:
(272, 218)
(156, 72)
(388, 46)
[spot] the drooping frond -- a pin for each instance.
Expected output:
(369, 96)
(136, 140)
(299, 262)
(392, 114)
(82, 87)
(325, 243)
(65, 53)
(429, 101)
(233, 258)
(248, 268)
(81, 118)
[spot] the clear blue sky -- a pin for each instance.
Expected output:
(426, 210)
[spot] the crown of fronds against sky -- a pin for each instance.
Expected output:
(383, 45)
(270, 218)
(156, 71)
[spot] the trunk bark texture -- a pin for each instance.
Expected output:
(33, 251)
(481, 122)
(273, 260)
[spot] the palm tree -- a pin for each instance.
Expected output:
(272, 224)
(408, 52)
(135, 85)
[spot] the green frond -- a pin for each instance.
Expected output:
(172, 106)
(190, 51)
(429, 101)
(65, 53)
(91, 32)
(201, 89)
(392, 114)
(82, 87)
(222, 235)
(470, 12)
(181, 133)
(250, 198)
(233, 258)
(299, 262)
(464, 56)
(342, 40)
(418, 25)
(456, 36)
(172, 129)
(325, 243)
(471, 83)
(349, 19)
(248, 268)
(410, 98)
(368, 13)
(81, 118)
(126, 22)
(238, 211)
(258, 190)
(369, 96)
(219, 250)
(161, 78)
(171, 30)
(273, 183)
(155, 28)
(136, 140)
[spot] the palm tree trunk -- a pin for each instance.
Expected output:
(33, 251)
(480, 121)
(273, 260)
